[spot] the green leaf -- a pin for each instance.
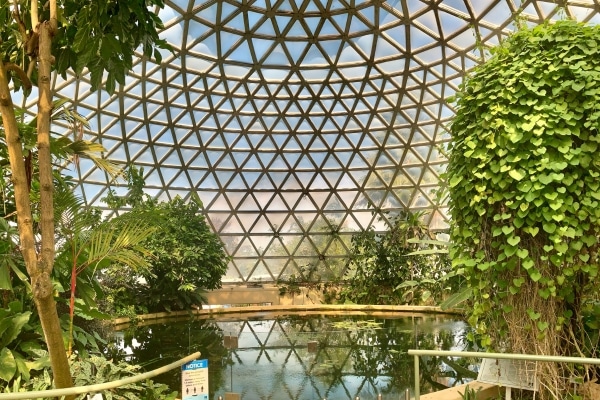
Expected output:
(549, 227)
(522, 253)
(457, 298)
(16, 324)
(5, 281)
(407, 284)
(527, 264)
(8, 365)
(535, 275)
(516, 174)
(577, 86)
(533, 315)
(584, 257)
(561, 247)
(507, 229)
(513, 240)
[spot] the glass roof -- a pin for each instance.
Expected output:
(298, 122)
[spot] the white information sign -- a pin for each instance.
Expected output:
(508, 373)
(194, 380)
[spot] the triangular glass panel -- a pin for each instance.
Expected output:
(332, 177)
(420, 200)
(405, 195)
(232, 275)
(314, 56)
(234, 199)
(276, 219)
(410, 158)
(374, 181)
(349, 182)
(250, 178)
(264, 183)
(276, 266)
(249, 204)
(438, 221)
(208, 182)
(260, 226)
(226, 162)
(247, 220)
(429, 177)
(278, 204)
(319, 183)
(290, 199)
(246, 265)
(306, 203)
(358, 162)
(237, 183)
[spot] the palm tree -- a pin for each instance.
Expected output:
(82, 241)
(86, 244)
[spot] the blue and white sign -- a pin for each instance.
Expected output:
(194, 380)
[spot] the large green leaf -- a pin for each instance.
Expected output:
(5, 283)
(457, 298)
(16, 324)
(8, 365)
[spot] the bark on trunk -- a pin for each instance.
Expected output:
(42, 284)
(39, 273)
(46, 261)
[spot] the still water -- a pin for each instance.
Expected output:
(306, 357)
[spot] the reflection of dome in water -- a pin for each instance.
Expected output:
(295, 119)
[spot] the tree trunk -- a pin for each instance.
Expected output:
(43, 291)
(39, 273)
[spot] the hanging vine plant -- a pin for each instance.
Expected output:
(524, 180)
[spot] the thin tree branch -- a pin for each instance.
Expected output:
(17, 17)
(22, 75)
(35, 20)
(53, 17)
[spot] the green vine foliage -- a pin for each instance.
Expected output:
(524, 178)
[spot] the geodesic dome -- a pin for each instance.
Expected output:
(299, 122)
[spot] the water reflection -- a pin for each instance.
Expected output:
(306, 357)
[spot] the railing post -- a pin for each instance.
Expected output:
(417, 373)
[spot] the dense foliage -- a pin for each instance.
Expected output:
(525, 190)
(184, 256)
(36, 40)
(397, 266)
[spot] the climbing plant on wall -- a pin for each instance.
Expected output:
(524, 179)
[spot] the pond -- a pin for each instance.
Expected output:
(306, 356)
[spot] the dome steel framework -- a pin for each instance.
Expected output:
(298, 122)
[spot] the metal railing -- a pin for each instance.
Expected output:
(506, 356)
(99, 386)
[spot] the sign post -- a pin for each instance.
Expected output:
(194, 380)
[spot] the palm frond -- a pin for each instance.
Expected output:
(122, 245)
(71, 216)
(64, 147)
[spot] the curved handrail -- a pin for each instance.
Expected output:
(99, 386)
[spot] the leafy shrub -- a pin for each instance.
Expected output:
(387, 267)
(95, 370)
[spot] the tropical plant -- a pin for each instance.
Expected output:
(524, 193)
(94, 370)
(35, 39)
(185, 259)
(386, 267)
(88, 244)
(21, 350)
